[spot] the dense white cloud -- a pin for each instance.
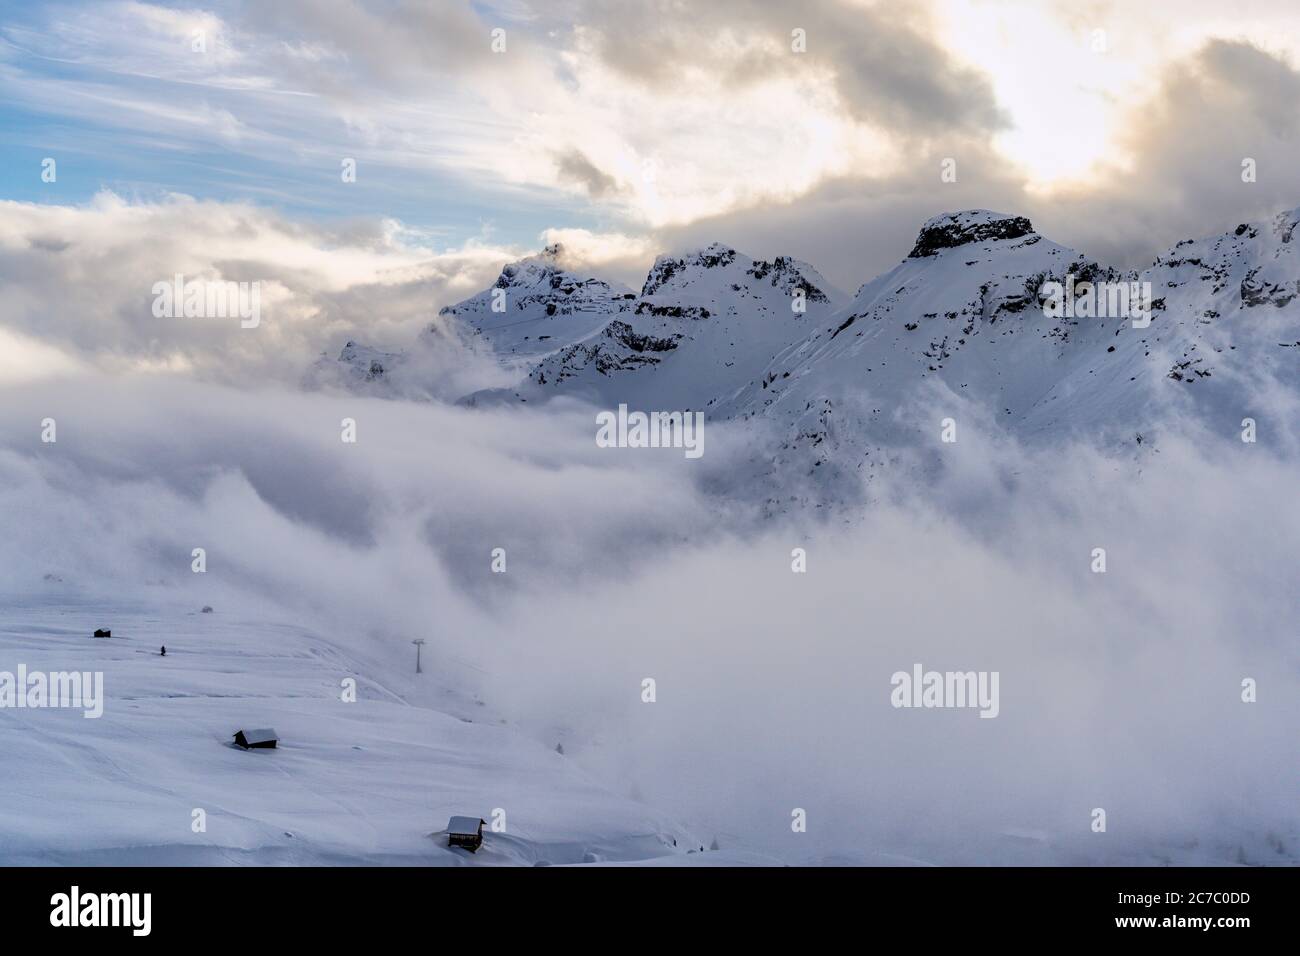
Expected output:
(1119, 690)
(621, 256)
(79, 281)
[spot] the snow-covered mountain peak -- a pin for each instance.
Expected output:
(541, 266)
(966, 315)
(678, 270)
(706, 321)
(951, 229)
(538, 304)
(359, 368)
(717, 268)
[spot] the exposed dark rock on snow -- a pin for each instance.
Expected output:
(960, 228)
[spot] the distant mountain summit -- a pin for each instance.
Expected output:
(952, 229)
(704, 321)
(537, 305)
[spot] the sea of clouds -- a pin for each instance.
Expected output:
(1118, 690)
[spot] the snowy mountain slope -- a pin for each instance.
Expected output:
(949, 311)
(964, 316)
(373, 781)
(1222, 324)
(703, 322)
(963, 327)
(961, 313)
(542, 306)
(535, 307)
(365, 783)
(1227, 327)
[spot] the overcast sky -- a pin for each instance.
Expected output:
(632, 128)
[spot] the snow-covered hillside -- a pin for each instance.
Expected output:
(962, 323)
(371, 781)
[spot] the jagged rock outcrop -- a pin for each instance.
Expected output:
(954, 229)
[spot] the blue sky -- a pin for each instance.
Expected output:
(62, 87)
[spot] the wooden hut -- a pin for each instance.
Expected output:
(465, 832)
(249, 739)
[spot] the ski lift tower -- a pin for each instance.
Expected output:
(418, 642)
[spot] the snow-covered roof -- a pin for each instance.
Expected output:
(260, 735)
(464, 825)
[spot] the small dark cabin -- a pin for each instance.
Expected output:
(466, 832)
(100, 632)
(248, 739)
